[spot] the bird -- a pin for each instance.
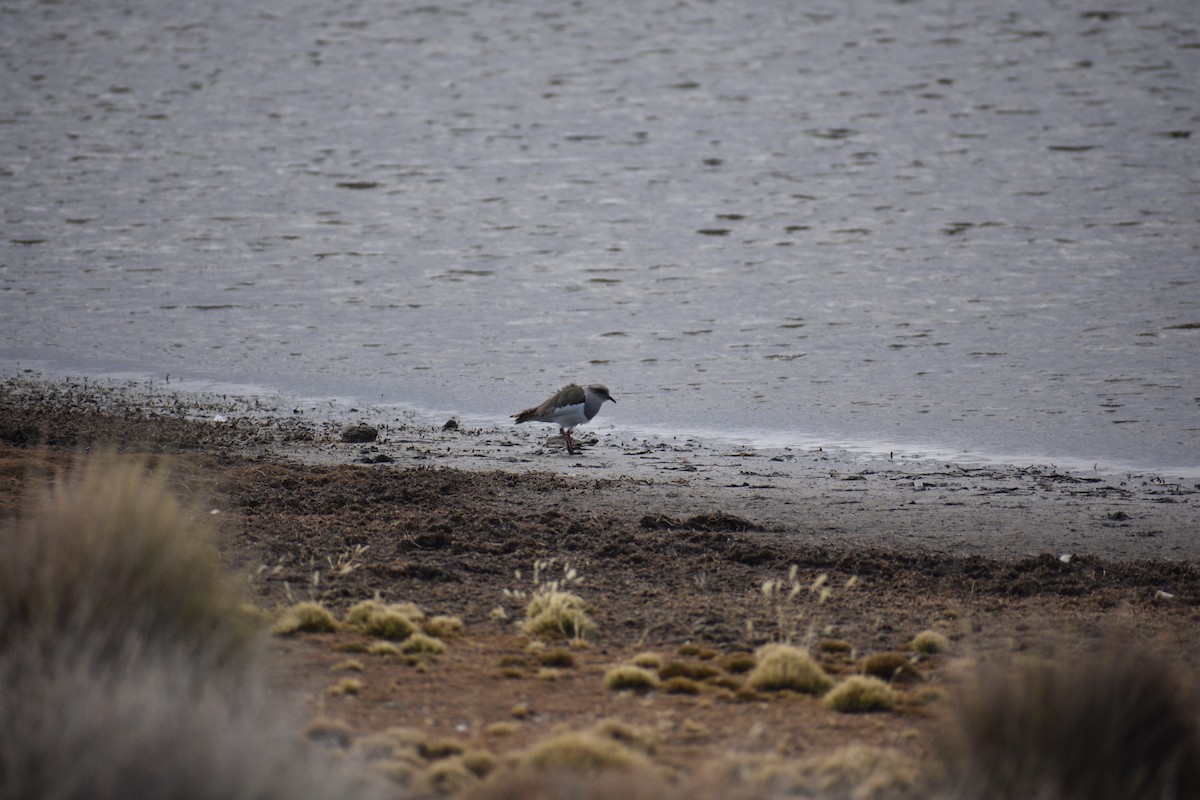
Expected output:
(570, 406)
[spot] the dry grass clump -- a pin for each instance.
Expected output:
(430, 765)
(557, 657)
(1101, 725)
(152, 723)
(433, 748)
(358, 614)
(443, 627)
(305, 618)
(647, 660)
(396, 622)
(835, 649)
(420, 644)
(583, 752)
(738, 663)
(502, 729)
(345, 686)
(930, 643)
(696, 670)
(383, 649)
(391, 743)
(633, 736)
(782, 666)
(623, 785)
(126, 660)
(853, 772)
(629, 677)
(860, 693)
(861, 772)
(554, 612)
(108, 553)
(448, 776)
(681, 685)
(329, 731)
(550, 610)
(890, 667)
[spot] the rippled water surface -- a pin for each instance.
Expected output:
(962, 226)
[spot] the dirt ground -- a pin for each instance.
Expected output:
(680, 580)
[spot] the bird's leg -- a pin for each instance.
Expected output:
(566, 434)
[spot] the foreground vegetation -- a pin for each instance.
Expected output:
(134, 667)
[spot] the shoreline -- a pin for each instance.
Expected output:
(209, 394)
(829, 497)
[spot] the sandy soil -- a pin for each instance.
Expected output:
(672, 540)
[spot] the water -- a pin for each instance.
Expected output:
(961, 227)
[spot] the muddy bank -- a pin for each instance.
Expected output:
(823, 498)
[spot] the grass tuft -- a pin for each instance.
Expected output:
(359, 613)
(930, 642)
(555, 613)
(583, 752)
(891, 667)
(696, 670)
(383, 649)
(419, 643)
(329, 731)
(782, 666)
(648, 660)
(635, 737)
(681, 685)
(389, 622)
(557, 657)
(448, 776)
(127, 662)
(108, 554)
(551, 611)
(443, 627)
(739, 663)
(860, 693)
(148, 723)
(1109, 724)
(629, 677)
(305, 618)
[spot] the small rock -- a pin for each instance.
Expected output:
(1161, 595)
(451, 425)
(358, 434)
